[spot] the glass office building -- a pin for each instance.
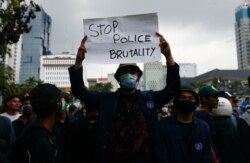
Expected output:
(35, 44)
(242, 32)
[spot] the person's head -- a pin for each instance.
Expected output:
(164, 110)
(128, 76)
(209, 97)
(226, 95)
(224, 108)
(186, 101)
(45, 100)
(247, 107)
(26, 100)
(72, 109)
(12, 104)
(27, 111)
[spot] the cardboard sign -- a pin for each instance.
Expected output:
(127, 39)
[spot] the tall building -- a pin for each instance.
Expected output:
(13, 60)
(35, 44)
(54, 70)
(242, 32)
(153, 76)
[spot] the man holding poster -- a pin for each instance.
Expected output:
(128, 125)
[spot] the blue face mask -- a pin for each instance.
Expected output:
(128, 80)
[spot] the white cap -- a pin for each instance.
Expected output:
(224, 108)
(164, 109)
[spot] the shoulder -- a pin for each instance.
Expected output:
(5, 122)
(201, 124)
(4, 119)
(45, 142)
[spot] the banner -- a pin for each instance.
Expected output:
(126, 39)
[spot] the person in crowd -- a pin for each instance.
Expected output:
(225, 130)
(128, 130)
(12, 105)
(81, 145)
(187, 138)
(246, 115)
(242, 140)
(208, 101)
(164, 112)
(236, 106)
(26, 100)
(24, 120)
(37, 143)
(234, 103)
(7, 137)
(243, 105)
(71, 113)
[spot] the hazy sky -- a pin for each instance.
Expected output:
(199, 31)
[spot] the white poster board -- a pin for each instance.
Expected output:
(126, 39)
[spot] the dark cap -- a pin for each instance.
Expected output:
(43, 97)
(130, 65)
(225, 94)
(208, 90)
(189, 88)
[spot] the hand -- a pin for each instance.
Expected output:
(165, 49)
(81, 52)
(63, 116)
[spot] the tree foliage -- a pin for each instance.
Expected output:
(15, 16)
(10, 88)
(6, 77)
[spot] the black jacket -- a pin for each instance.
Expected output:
(199, 141)
(35, 145)
(106, 103)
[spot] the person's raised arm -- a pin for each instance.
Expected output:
(165, 49)
(81, 53)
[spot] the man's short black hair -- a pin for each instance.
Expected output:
(44, 99)
(10, 97)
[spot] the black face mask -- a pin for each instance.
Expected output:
(185, 106)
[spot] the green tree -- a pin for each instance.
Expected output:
(6, 78)
(15, 16)
(10, 88)
(30, 83)
(101, 87)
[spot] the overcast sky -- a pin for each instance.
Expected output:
(199, 31)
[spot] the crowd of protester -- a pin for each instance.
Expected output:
(177, 124)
